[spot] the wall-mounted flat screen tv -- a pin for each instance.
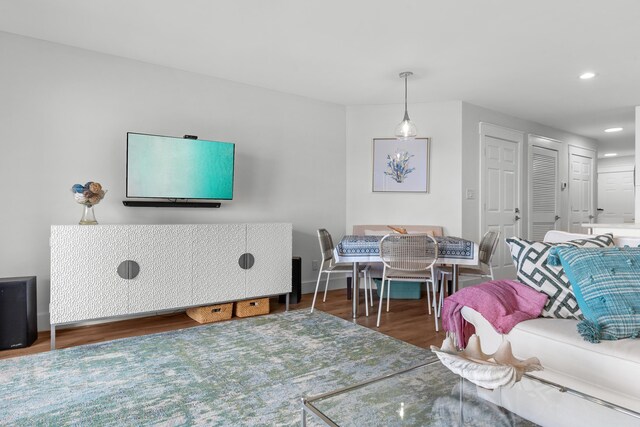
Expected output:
(179, 168)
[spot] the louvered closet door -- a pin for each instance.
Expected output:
(544, 191)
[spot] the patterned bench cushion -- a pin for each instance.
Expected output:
(606, 283)
(530, 259)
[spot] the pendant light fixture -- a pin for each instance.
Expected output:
(406, 129)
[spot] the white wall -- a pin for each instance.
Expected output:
(64, 114)
(614, 164)
(454, 129)
(472, 115)
(441, 206)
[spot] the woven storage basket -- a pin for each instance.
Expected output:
(211, 313)
(252, 307)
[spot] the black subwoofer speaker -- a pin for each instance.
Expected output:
(18, 313)
(296, 280)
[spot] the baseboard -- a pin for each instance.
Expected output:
(334, 283)
(464, 283)
(43, 322)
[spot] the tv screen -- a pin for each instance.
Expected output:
(178, 168)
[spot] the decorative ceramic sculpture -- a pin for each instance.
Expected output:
(489, 371)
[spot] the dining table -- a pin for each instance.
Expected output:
(356, 249)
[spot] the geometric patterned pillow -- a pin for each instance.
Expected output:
(530, 260)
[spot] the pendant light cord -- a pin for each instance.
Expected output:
(406, 129)
(405, 95)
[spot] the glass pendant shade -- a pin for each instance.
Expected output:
(406, 129)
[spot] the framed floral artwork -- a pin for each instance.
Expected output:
(401, 165)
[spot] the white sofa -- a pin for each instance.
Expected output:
(609, 370)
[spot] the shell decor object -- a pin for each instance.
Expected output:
(88, 195)
(489, 371)
(399, 230)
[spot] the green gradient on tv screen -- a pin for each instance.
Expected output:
(166, 167)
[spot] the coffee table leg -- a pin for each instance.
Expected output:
(355, 288)
(461, 401)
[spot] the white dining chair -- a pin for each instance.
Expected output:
(408, 257)
(329, 266)
(484, 269)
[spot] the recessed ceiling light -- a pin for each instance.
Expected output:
(610, 154)
(613, 130)
(588, 75)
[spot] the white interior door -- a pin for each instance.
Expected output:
(544, 192)
(500, 183)
(616, 197)
(581, 188)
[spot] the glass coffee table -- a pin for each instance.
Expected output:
(424, 395)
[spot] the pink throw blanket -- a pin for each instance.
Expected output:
(504, 303)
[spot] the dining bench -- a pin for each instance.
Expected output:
(377, 229)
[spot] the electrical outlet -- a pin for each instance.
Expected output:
(315, 265)
(470, 194)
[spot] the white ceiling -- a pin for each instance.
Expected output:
(519, 57)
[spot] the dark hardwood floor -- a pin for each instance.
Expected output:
(407, 320)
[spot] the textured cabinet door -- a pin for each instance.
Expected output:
(84, 278)
(216, 274)
(164, 255)
(270, 244)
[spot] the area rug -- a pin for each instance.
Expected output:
(242, 372)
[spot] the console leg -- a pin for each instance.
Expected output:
(53, 337)
(287, 302)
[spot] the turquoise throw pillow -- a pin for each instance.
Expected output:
(606, 283)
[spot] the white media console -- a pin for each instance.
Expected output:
(103, 271)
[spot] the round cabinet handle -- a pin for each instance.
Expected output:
(246, 261)
(128, 269)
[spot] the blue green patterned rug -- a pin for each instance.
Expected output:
(242, 372)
